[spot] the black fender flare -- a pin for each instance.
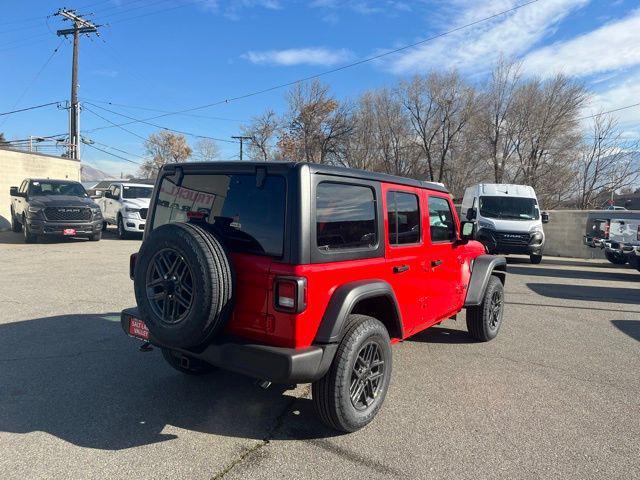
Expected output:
(343, 301)
(483, 267)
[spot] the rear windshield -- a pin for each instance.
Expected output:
(136, 192)
(249, 217)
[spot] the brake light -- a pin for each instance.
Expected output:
(191, 215)
(132, 265)
(290, 294)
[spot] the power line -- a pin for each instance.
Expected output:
(134, 107)
(92, 141)
(610, 111)
(35, 78)
(30, 108)
(135, 120)
(195, 2)
(112, 154)
(338, 69)
(112, 123)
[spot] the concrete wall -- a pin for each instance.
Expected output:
(564, 235)
(16, 166)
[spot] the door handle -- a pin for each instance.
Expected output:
(436, 263)
(400, 268)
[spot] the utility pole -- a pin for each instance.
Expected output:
(80, 26)
(242, 139)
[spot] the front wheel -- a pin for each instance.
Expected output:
(28, 236)
(122, 233)
(16, 226)
(95, 237)
(615, 258)
(535, 259)
(350, 395)
(484, 320)
(186, 364)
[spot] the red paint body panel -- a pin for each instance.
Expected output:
(426, 293)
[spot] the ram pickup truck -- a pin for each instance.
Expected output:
(42, 207)
(125, 205)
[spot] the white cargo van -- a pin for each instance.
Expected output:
(508, 219)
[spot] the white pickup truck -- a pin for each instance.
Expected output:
(125, 205)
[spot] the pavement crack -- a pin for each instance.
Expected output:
(265, 441)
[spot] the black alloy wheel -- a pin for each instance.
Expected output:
(495, 315)
(169, 286)
(366, 376)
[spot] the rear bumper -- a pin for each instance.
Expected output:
(264, 362)
(45, 227)
(592, 242)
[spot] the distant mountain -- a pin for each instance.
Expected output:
(90, 174)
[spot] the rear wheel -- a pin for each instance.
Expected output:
(615, 258)
(186, 364)
(535, 259)
(350, 395)
(104, 226)
(484, 320)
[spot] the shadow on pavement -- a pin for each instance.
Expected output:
(597, 263)
(631, 276)
(78, 377)
(630, 327)
(12, 238)
(588, 293)
(441, 335)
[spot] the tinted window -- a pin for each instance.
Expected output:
(49, 188)
(404, 218)
(249, 218)
(345, 217)
(136, 192)
(441, 224)
(116, 191)
(512, 208)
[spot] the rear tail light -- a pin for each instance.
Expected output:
(132, 265)
(607, 227)
(290, 294)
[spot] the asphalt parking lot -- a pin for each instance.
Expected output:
(556, 395)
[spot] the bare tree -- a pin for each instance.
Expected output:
(316, 124)
(440, 106)
(164, 147)
(496, 107)
(262, 131)
(605, 165)
(206, 150)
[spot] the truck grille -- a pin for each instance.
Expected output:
(143, 213)
(66, 214)
(512, 238)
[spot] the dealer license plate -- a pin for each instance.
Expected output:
(137, 328)
(69, 231)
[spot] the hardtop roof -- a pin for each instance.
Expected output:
(337, 171)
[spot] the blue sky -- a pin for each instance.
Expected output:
(176, 54)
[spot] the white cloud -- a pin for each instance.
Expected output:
(475, 48)
(299, 56)
(616, 95)
(611, 47)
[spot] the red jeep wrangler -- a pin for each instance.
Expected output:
(298, 273)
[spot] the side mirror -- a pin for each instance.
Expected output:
(545, 217)
(13, 191)
(467, 230)
(471, 213)
(107, 194)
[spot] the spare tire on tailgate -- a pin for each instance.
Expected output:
(183, 284)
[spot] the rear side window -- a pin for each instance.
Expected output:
(403, 214)
(345, 217)
(441, 224)
(249, 217)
